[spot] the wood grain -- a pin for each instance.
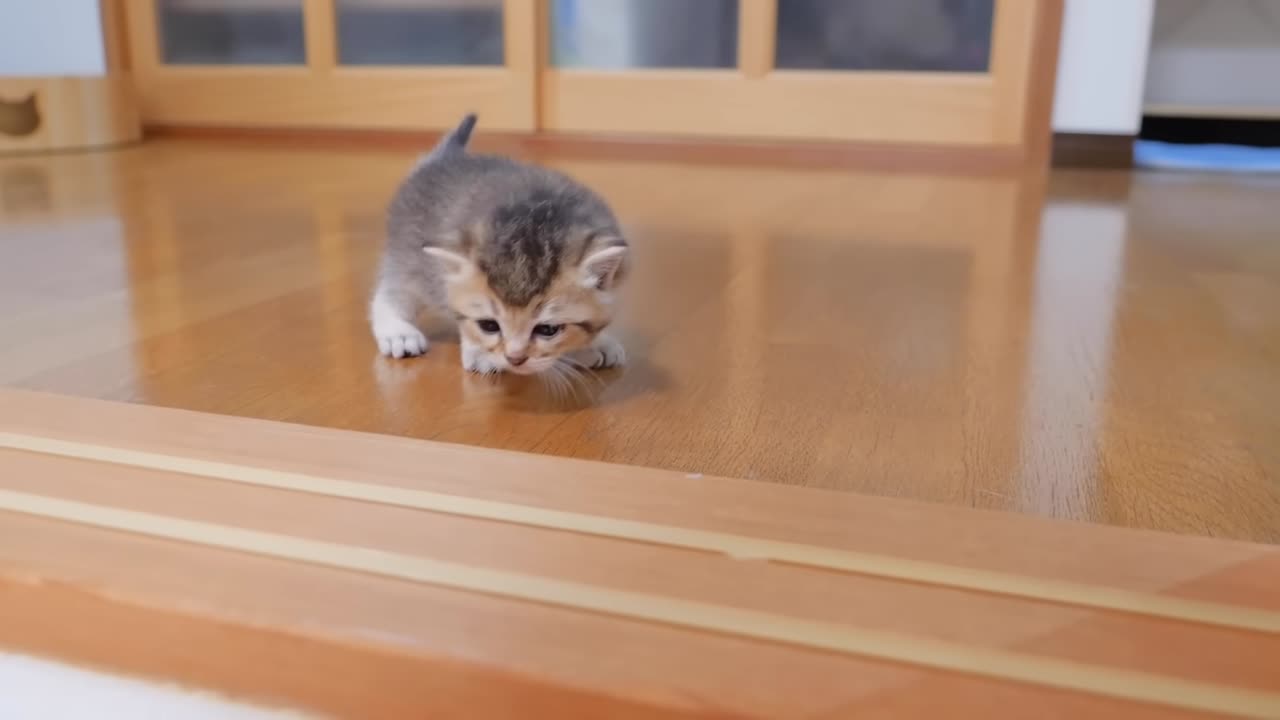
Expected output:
(864, 156)
(1002, 108)
(757, 37)
(995, 111)
(741, 547)
(325, 94)
(320, 32)
(1101, 348)
(57, 577)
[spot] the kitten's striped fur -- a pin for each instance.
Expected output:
(499, 244)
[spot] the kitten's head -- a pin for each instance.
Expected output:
(534, 281)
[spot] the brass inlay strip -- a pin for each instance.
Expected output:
(738, 546)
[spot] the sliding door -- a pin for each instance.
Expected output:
(908, 71)
(957, 72)
(370, 64)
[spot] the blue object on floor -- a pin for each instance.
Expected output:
(1222, 158)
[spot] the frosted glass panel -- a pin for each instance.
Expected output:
(420, 32)
(244, 32)
(913, 35)
(622, 34)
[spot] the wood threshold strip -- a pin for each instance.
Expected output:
(894, 647)
(737, 546)
(948, 159)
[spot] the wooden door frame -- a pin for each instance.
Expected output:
(999, 108)
(324, 94)
(1024, 134)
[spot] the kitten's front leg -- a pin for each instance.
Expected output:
(393, 328)
(477, 360)
(604, 352)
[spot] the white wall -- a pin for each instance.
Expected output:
(51, 37)
(1214, 54)
(1102, 66)
(37, 689)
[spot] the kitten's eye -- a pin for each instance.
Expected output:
(547, 331)
(487, 326)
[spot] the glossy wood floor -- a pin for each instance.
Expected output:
(1106, 348)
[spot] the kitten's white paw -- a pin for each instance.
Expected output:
(604, 353)
(400, 340)
(477, 360)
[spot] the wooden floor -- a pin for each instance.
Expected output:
(1105, 349)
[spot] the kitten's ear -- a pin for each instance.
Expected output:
(455, 265)
(600, 268)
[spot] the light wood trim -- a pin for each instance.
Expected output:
(998, 665)
(370, 98)
(909, 107)
(142, 27)
(1029, 546)
(757, 36)
(1013, 48)
(936, 159)
(323, 94)
(987, 109)
(72, 112)
(521, 37)
(541, 55)
(239, 618)
(738, 546)
(1042, 81)
(115, 37)
(319, 18)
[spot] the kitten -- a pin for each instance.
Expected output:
(527, 260)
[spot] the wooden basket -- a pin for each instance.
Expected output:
(42, 114)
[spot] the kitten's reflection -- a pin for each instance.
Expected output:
(561, 389)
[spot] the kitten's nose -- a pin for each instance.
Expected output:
(517, 360)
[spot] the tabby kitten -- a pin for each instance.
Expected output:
(527, 260)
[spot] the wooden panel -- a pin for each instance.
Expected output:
(115, 39)
(287, 564)
(1013, 53)
(885, 107)
(327, 95)
(320, 29)
(989, 109)
(364, 98)
(757, 36)
(1037, 104)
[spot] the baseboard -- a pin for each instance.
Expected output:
(1255, 132)
(1089, 150)
(883, 157)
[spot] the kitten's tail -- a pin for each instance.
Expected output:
(456, 141)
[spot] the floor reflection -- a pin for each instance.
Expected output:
(1078, 275)
(1102, 347)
